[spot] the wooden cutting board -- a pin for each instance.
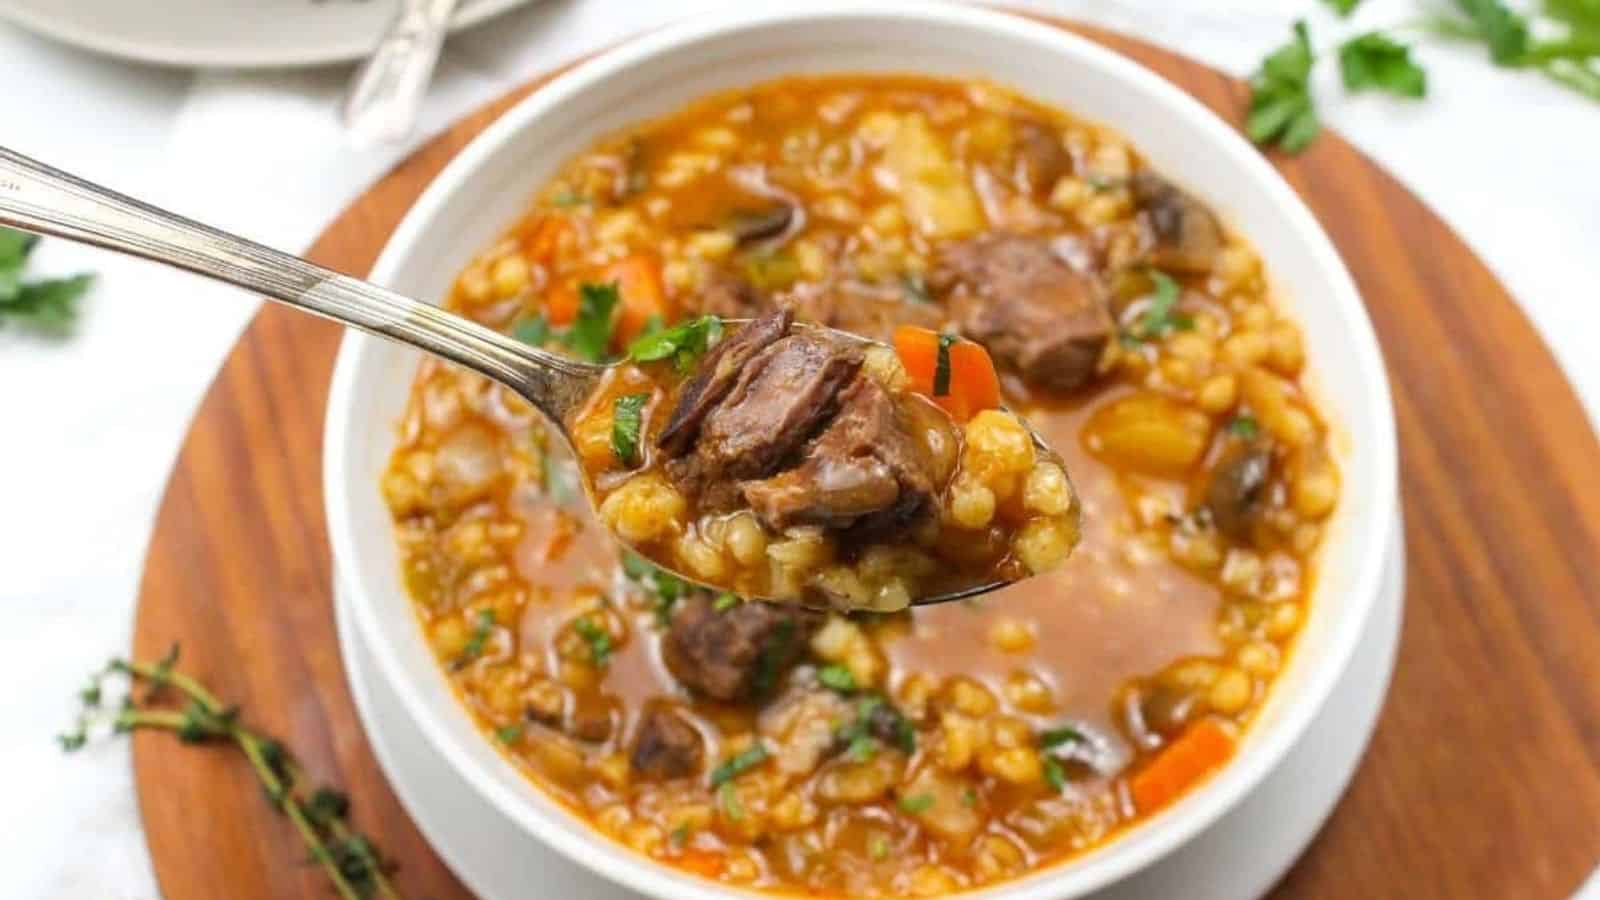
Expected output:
(1482, 781)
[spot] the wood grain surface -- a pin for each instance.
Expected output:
(1482, 781)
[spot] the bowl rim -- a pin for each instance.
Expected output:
(1109, 862)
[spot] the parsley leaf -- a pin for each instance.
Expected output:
(509, 734)
(1054, 774)
(1244, 426)
(598, 639)
(725, 601)
(1160, 318)
(941, 366)
(667, 587)
(480, 637)
(1376, 61)
(684, 342)
(1281, 108)
(1343, 7)
(534, 331)
(728, 797)
(627, 417)
(590, 335)
(1495, 24)
(738, 764)
(1055, 737)
(916, 804)
(862, 748)
(838, 678)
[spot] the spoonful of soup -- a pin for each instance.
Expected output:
(791, 462)
(766, 458)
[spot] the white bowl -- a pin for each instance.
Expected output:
(487, 185)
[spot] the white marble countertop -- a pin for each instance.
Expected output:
(91, 425)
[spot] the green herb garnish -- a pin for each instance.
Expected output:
(533, 331)
(679, 836)
(1161, 317)
(862, 748)
(598, 639)
(352, 864)
(738, 764)
(1377, 62)
(1244, 427)
(590, 335)
(771, 271)
(509, 734)
(567, 198)
(667, 587)
(1055, 737)
(725, 601)
(838, 678)
(916, 287)
(969, 797)
(627, 414)
(683, 343)
(728, 798)
(878, 847)
(475, 645)
(45, 307)
(1343, 7)
(1054, 774)
(1281, 109)
(941, 366)
(916, 804)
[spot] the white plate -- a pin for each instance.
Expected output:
(224, 33)
(1241, 856)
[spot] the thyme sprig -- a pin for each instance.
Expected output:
(353, 864)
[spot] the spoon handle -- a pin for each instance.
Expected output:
(382, 104)
(36, 197)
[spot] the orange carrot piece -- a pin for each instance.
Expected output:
(701, 862)
(545, 238)
(1195, 753)
(974, 386)
(638, 279)
(561, 305)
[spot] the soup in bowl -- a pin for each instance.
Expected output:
(1232, 520)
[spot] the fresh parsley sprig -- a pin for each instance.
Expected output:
(1283, 111)
(354, 866)
(48, 307)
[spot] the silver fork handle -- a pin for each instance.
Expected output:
(36, 197)
(387, 91)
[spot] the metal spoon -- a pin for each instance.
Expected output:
(36, 197)
(387, 90)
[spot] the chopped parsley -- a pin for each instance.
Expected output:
(777, 650)
(590, 335)
(725, 601)
(679, 836)
(728, 798)
(627, 416)
(738, 764)
(683, 343)
(878, 847)
(567, 198)
(1375, 61)
(1244, 426)
(1343, 7)
(598, 639)
(916, 804)
(667, 587)
(838, 678)
(862, 748)
(534, 330)
(901, 733)
(941, 366)
(969, 797)
(1161, 317)
(1281, 108)
(1055, 737)
(509, 734)
(475, 644)
(916, 287)
(1054, 774)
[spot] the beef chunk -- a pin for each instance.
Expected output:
(1238, 487)
(666, 745)
(776, 404)
(1041, 158)
(719, 370)
(871, 468)
(1036, 314)
(1186, 235)
(736, 653)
